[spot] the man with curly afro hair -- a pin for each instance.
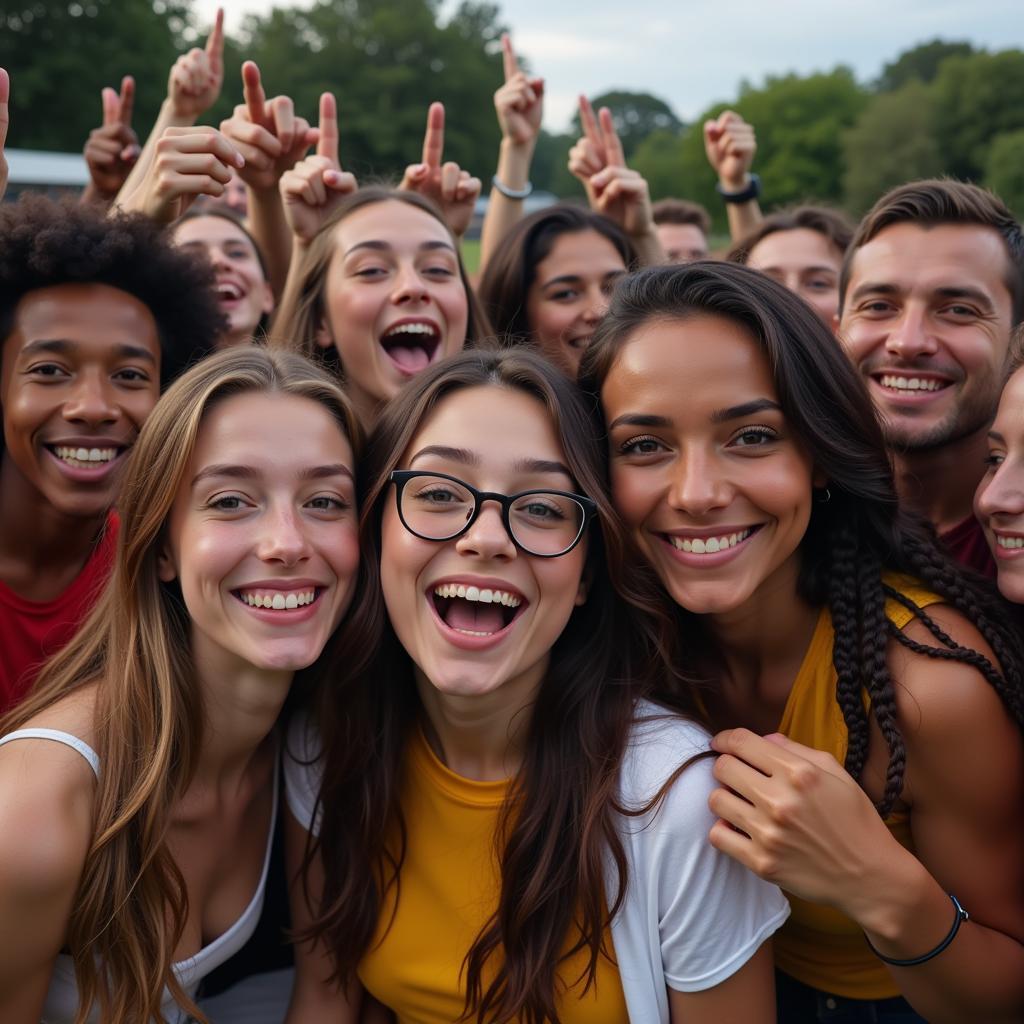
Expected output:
(97, 314)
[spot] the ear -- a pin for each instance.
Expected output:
(581, 592)
(835, 324)
(165, 567)
(267, 306)
(819, 481)
(324, 338)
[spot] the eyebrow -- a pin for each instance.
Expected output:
(379, 246)
(248, 472)
(948, 292)
(735, 412)
(468, 458)
(996, 436)
(572, 278)
(62, 346)
(632, 419)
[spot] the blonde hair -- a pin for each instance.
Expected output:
(131, 906)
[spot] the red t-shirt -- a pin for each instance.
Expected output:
(966, 543)
(30, 631)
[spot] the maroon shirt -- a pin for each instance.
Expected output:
(967, 545)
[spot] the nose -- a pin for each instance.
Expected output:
(91, 400)
(597, 304)
(697, 485)
(487, 537)
(217, 257)
(283, 538)
(409, 285)
(1002, 493)
(911, 336)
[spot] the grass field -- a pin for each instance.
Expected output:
(471, 254)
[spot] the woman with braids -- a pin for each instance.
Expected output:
(138, 780)
(870, 693)
(506, 830)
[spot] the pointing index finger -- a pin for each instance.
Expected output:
(613, 147)
(127, 99)
(589, 124)
(328, 144)
(252, 92)
(508, 56)
(215, 43)
(110, 106)
(433, 139)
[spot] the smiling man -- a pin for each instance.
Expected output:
(930, 289)
(95, 315)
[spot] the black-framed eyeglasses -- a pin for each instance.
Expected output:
(439, 507)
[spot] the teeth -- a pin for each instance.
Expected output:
(76, 456)
(277, 600)
(484, 596)
(911, 383)
(229, 291)
(1010, 542)
(410, 329)
(709, 545)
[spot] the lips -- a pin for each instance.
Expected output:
(86, 456)
(474, 613)
(229, 291)
(412, 344)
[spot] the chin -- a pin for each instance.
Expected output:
(1011, 584)
(707, 599)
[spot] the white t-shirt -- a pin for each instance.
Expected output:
(691, 916)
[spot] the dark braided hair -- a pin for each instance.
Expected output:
(851, 539)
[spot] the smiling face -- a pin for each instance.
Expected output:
(805, 262)
(927, 322)
(999, 503)
(395, 299)
(476, 614)
(569, 295)
(262, 534)
(704, 468)
(80, 373)
(244, 295)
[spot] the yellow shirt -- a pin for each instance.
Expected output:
(449, 887)
(818, 945)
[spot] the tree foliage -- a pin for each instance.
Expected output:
(920, 64)
(636, 115)
(1004, 171)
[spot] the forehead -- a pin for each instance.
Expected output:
(399, 224)
(580, 254)
(497, 423)
(682, 235)
(209, 230)
(800, 247)
(912, 257)
(686, 366)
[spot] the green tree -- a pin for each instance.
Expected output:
(60, 54)
(636, 115)
(977, 98)
(550, 170)
(659, 159)
(920, 64)
(893, 141)
(1004, 171)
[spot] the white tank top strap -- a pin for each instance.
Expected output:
(58, 737)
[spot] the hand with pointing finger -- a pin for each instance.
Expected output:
(452, 188)
(313, 187)
(266, 132)
(519, 102)
(5, 93)
(112, 149)
(197, 76)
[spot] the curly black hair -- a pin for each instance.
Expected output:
(858, 535)
(45, 243)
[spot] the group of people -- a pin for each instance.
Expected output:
(622, 635)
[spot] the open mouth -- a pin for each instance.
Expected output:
(711, 545)
(411, 346)
(229, 292)
(904, 384)
(581, 343)
(95, 458)
(476, 611)
(1008, 543)
(278, 600)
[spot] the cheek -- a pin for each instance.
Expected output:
(550, 320)
(635, 494)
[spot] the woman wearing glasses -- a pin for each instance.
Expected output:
(503, 826)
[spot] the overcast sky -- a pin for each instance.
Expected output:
(692, 53)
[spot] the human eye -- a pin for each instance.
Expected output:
(439, 270)
(753, 437)
(541, 507)
(328, 503)
(131, 375)
(564, 295)
(960, 311)
(227, 503)
(820, 284)
(642, 445)
(994, 459)
(48, 371)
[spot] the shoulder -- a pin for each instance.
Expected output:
(303, 768)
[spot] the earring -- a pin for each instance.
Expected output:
(824, 496)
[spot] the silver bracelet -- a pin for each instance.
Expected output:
(512, 193)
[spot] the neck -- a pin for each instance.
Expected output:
(36, 535)
(481, 736)
(939, 483)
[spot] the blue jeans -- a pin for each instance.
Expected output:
(797, 1003)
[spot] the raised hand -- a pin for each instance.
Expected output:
(314, 186)
(196, 78)
(5, 94)
(189, 162)
(612, 188)
(730, 145)
(452, 188)
(112, 149)
(520, 101)
(266, 132)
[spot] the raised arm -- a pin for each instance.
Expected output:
(272, 140)
(193, 86)
(112, 149)
(519, 104)
(5, 93)
(452, 188)
(730, 146)
(613, 189)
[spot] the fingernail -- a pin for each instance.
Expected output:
(419, 169)
(239, 160)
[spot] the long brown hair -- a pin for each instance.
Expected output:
(303, 305)
(552, 876)
(131, 905)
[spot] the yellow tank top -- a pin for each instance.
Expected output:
(818, 945)
(449, 887)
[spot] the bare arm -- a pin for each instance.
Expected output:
(730, 145)
(746, 997)
(519, 104)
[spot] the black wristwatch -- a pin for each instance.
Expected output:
(752, 191)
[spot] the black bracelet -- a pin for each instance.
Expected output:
(512, 193)
(751, 191)
(961, 915)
